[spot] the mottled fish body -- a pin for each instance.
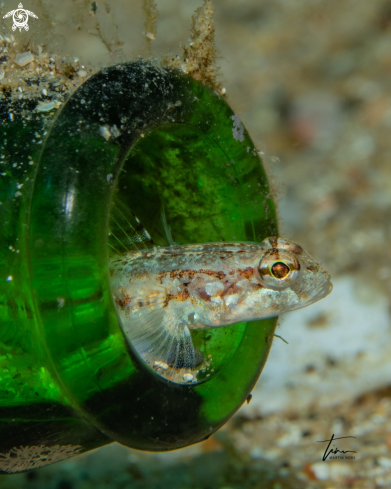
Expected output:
(163, 293)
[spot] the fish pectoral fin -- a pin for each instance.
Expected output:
(157, 332)
(172, 347)
(151, 300)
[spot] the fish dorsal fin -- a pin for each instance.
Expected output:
(167, 229)
(126, 232)
(156, 331)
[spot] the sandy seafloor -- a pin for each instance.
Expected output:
(311, 80)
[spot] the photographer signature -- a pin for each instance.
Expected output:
(335, 450)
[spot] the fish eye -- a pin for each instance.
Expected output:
(278, 268)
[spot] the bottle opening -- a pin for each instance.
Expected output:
(167, 196)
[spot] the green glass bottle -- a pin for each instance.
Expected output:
(141, 138)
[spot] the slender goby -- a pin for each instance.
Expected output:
(164, 292)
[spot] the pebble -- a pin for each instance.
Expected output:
(105, 132)
(384, 462)
(22, 59)
(115, 131)
(46, 107)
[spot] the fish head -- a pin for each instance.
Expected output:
(285, 278)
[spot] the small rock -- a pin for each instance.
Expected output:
(115, 131)
(46, 107)
(82, 73)
(105, 132)
(333, 470)
(384, 462)
(23, 59)
(320, 470)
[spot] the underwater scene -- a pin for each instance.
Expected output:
(195, 267)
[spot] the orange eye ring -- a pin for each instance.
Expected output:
(278, 268)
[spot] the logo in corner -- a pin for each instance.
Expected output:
(20, 17)
(333, 452)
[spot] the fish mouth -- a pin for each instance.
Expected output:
(321, 294)
(324, 291)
